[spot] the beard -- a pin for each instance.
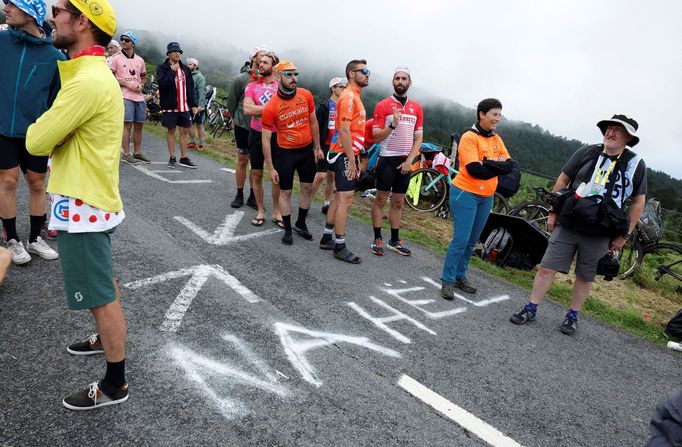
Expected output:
(267, 72)
(400, 90)
(64, 42)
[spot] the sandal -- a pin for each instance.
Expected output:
(347, 256)
(278, 222)
(258, 221)
(303, 232)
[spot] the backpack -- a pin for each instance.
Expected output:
(509, 184)
(650, 225)
(674, 326)
(497, 246)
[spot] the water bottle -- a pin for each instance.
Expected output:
(675, 346)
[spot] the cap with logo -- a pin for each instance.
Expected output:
(99, 12)
(34, 8)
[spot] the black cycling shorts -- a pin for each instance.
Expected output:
(288, 161)
(340, 167)
(171, 120)
(389, 177)
(241, 139)
(13, 153)
(323, 165)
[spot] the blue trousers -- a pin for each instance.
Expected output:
(469, 213)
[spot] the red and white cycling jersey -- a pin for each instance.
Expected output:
(399, 142)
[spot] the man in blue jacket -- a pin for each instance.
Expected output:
(29, 82)
(176, 98)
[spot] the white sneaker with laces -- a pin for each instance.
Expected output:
(19, 254)
(41, 248)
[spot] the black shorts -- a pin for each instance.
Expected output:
(171, 120)
(241, 139)
(389, 177)
(13, 153)
(256, 157)
(340, 167)
(199, 117)
(323, 165)
(288, 161)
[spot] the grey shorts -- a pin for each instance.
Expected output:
(562, 248)
(136, 111)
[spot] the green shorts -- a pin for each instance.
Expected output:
(86, 266)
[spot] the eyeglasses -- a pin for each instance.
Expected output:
(56, 10)
(125, 39)
(364, 71)
(288, 74)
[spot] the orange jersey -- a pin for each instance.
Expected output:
(472, 148)
(350, 112)
(290, 118)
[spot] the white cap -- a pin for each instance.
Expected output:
(191, 60)
(402, 69)
(115, 43)
(337, 81)
(257, 50)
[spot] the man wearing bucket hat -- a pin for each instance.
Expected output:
(611, 173)
(29, 82)
(82, 131)
(131, 72)
(177, 99)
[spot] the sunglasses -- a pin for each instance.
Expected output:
(364, 71)
(125, 39)
(56, 10)
(288, 74)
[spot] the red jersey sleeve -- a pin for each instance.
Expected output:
(419, 127)
(380, 115)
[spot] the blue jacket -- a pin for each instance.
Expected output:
(29, 80)
(168, 94)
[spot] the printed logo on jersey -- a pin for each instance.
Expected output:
(265, 97)
(60, 210)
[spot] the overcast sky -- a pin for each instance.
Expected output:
(563, 65)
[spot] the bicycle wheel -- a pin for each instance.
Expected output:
(500, 204)
(427, 191)
(630, 257)
(663, 262)
(534, 212)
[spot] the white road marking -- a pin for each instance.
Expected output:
(417, 304)
(463, 418)
(224, 234)
(199, 275)
(228, 170)
(482, 303)
(156, 176)
(380, 322)
(166, 171)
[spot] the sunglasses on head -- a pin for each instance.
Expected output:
(288, 74)
(56, 10)
(364, 71)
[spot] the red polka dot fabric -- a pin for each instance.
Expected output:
(75, 216)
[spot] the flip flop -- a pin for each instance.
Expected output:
(278, 222)
(258, 221)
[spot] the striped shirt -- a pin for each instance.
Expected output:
(399, 142)
(181, 89)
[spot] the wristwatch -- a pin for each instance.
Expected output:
(392, 126)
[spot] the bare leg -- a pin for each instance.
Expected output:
(126, 137)
(285, 201)
(242, 162)
(541, 284)
(257, 186)
(111, 325)
(276, 213)
(5, 261)
(36, 185)
(378, 208)
(305, 197)
(345, 200)
(9, 179)
(137, 137)
(183, 142)
(170, 140)
(396, 211)
(581, 290)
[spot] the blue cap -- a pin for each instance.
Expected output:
(34, 8)
(173, 46)
(130, 35)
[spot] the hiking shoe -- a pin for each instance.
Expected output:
(191, 145)
(187, 163)
(377, 247)
(287, 239)
(464, 285)
(40, 248)
(569, 326)
(89, 346)
(128, 158)
(46, 233)
(237, 202)
(92, 397)
(251, 202)
(523, 316)
(447, 291)
(172, 162)
(303, 232)
(141, 158)
(347, 256)
(399, 247)
(19, 254)
(325, 208)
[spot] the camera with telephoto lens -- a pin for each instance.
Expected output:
(608, 266)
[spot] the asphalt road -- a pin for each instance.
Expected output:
(235, 339)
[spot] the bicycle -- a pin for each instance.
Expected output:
(660, 260)
(219, 120)
(536, 212)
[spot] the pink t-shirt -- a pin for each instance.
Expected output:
(130, 70)
(260, 93)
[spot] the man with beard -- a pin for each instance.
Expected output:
(131, 72)
(256, 95)
(296, 149)
(398, 127)
(176, 98)
(82, 130)
(29, 82)
(235, 103)
(347, 143)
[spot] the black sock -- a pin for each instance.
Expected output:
(10, 226)
(36, 225)
(377, 232)
(251, 194)
(287, 223)
(340, 242)
(302, 214)
(115, 377)
(395, 234)
(240, 192)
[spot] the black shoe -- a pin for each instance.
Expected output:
(287, 239)
(464, 285)
(447, 291)
(569, 326)
(251, 201)
(237, 202)
(90, 346)
(93, 397)
(327, 244)
(172, 162)
(325, 208)
(523, 316)
(303, 232)
(187, 163)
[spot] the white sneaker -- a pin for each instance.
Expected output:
(19, 254)
(41, 248)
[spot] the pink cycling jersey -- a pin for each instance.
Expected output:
(260, 93)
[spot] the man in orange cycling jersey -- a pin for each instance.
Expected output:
(296, 149)
(347, 143)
